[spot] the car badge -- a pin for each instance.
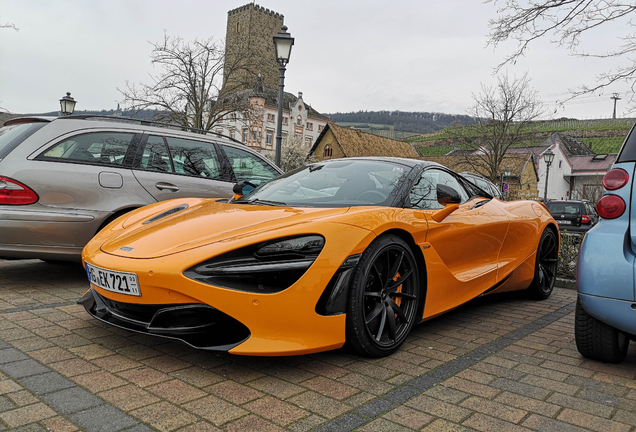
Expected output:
(562, 217)
(126, 249)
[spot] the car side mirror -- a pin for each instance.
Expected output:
(242, 187)
(447, 195)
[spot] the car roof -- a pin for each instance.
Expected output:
(404, 161)
(119, 121)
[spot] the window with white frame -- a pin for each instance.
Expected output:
(245, 135)
(269, 137)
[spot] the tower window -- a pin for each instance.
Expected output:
(238, 26)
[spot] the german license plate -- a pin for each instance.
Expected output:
(114, 281)
(564, 222)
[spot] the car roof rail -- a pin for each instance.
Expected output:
(142, 122)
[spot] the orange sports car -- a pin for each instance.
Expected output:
(354, 250)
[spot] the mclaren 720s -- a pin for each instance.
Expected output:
(354, 250)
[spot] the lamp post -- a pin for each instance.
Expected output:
(67, 104)
(549, 157)
(507, 172)
(283, 43)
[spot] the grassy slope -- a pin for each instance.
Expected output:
(438, 143)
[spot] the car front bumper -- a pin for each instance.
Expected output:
(281, 323)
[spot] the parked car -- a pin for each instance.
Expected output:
(573, 216)
(483, 183)
(354, 249)
(63, 179)
(606, 304)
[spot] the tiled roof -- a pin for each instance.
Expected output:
(242, 97)
(570, 146)
(357, 143)
(588, 163)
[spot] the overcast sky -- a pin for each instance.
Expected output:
(348, 55)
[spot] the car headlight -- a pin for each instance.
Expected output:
(267, 267)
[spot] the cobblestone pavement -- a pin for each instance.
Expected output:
(499, 363)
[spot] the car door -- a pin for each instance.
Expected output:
(466, 243)
(174, 167)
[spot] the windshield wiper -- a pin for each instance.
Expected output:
(265, 202)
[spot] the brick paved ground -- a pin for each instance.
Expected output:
(500, 363)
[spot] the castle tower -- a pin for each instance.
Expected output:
(249, 47)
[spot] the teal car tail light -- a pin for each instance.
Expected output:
(615, 179)
(610, 207)
(266, 268)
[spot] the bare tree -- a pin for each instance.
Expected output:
(9, 25)
(566, 21)
(502, 113)
(188, 90)
(294, 154)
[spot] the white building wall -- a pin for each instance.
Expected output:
(263, 120)
(560, 171)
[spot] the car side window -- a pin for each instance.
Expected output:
(155, 156)
(194, 158)
(100, 148)
(247, 166)
(423, 194)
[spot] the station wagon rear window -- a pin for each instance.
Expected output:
(11, 136)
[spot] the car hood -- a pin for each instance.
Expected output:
(202, 223)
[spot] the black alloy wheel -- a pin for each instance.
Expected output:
(383, 299)
(545, 270)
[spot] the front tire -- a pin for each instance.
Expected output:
(598, 341)
(383, 299)
(545, 268)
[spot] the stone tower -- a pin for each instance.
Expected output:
(249, 47)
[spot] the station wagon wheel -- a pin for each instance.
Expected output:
(383, 298)
(545, 266)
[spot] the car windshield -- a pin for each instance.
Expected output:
(342, 183)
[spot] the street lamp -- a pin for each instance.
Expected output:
(507, 172)
(67, 104)
(283, 43)
(549, 157)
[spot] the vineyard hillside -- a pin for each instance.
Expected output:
(601, 136)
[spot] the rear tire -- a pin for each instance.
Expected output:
(383, 298)
(545, 267)
(598, 341)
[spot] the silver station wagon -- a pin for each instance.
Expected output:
(63, 179)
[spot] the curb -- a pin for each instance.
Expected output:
(565, 283)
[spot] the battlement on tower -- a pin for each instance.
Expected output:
(256, 8)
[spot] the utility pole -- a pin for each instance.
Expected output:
(616, 98)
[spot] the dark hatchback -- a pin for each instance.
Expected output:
(573, 216)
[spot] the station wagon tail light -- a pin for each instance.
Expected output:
(585, 219)
(12, 192)
(610, 207)
(615, 179)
